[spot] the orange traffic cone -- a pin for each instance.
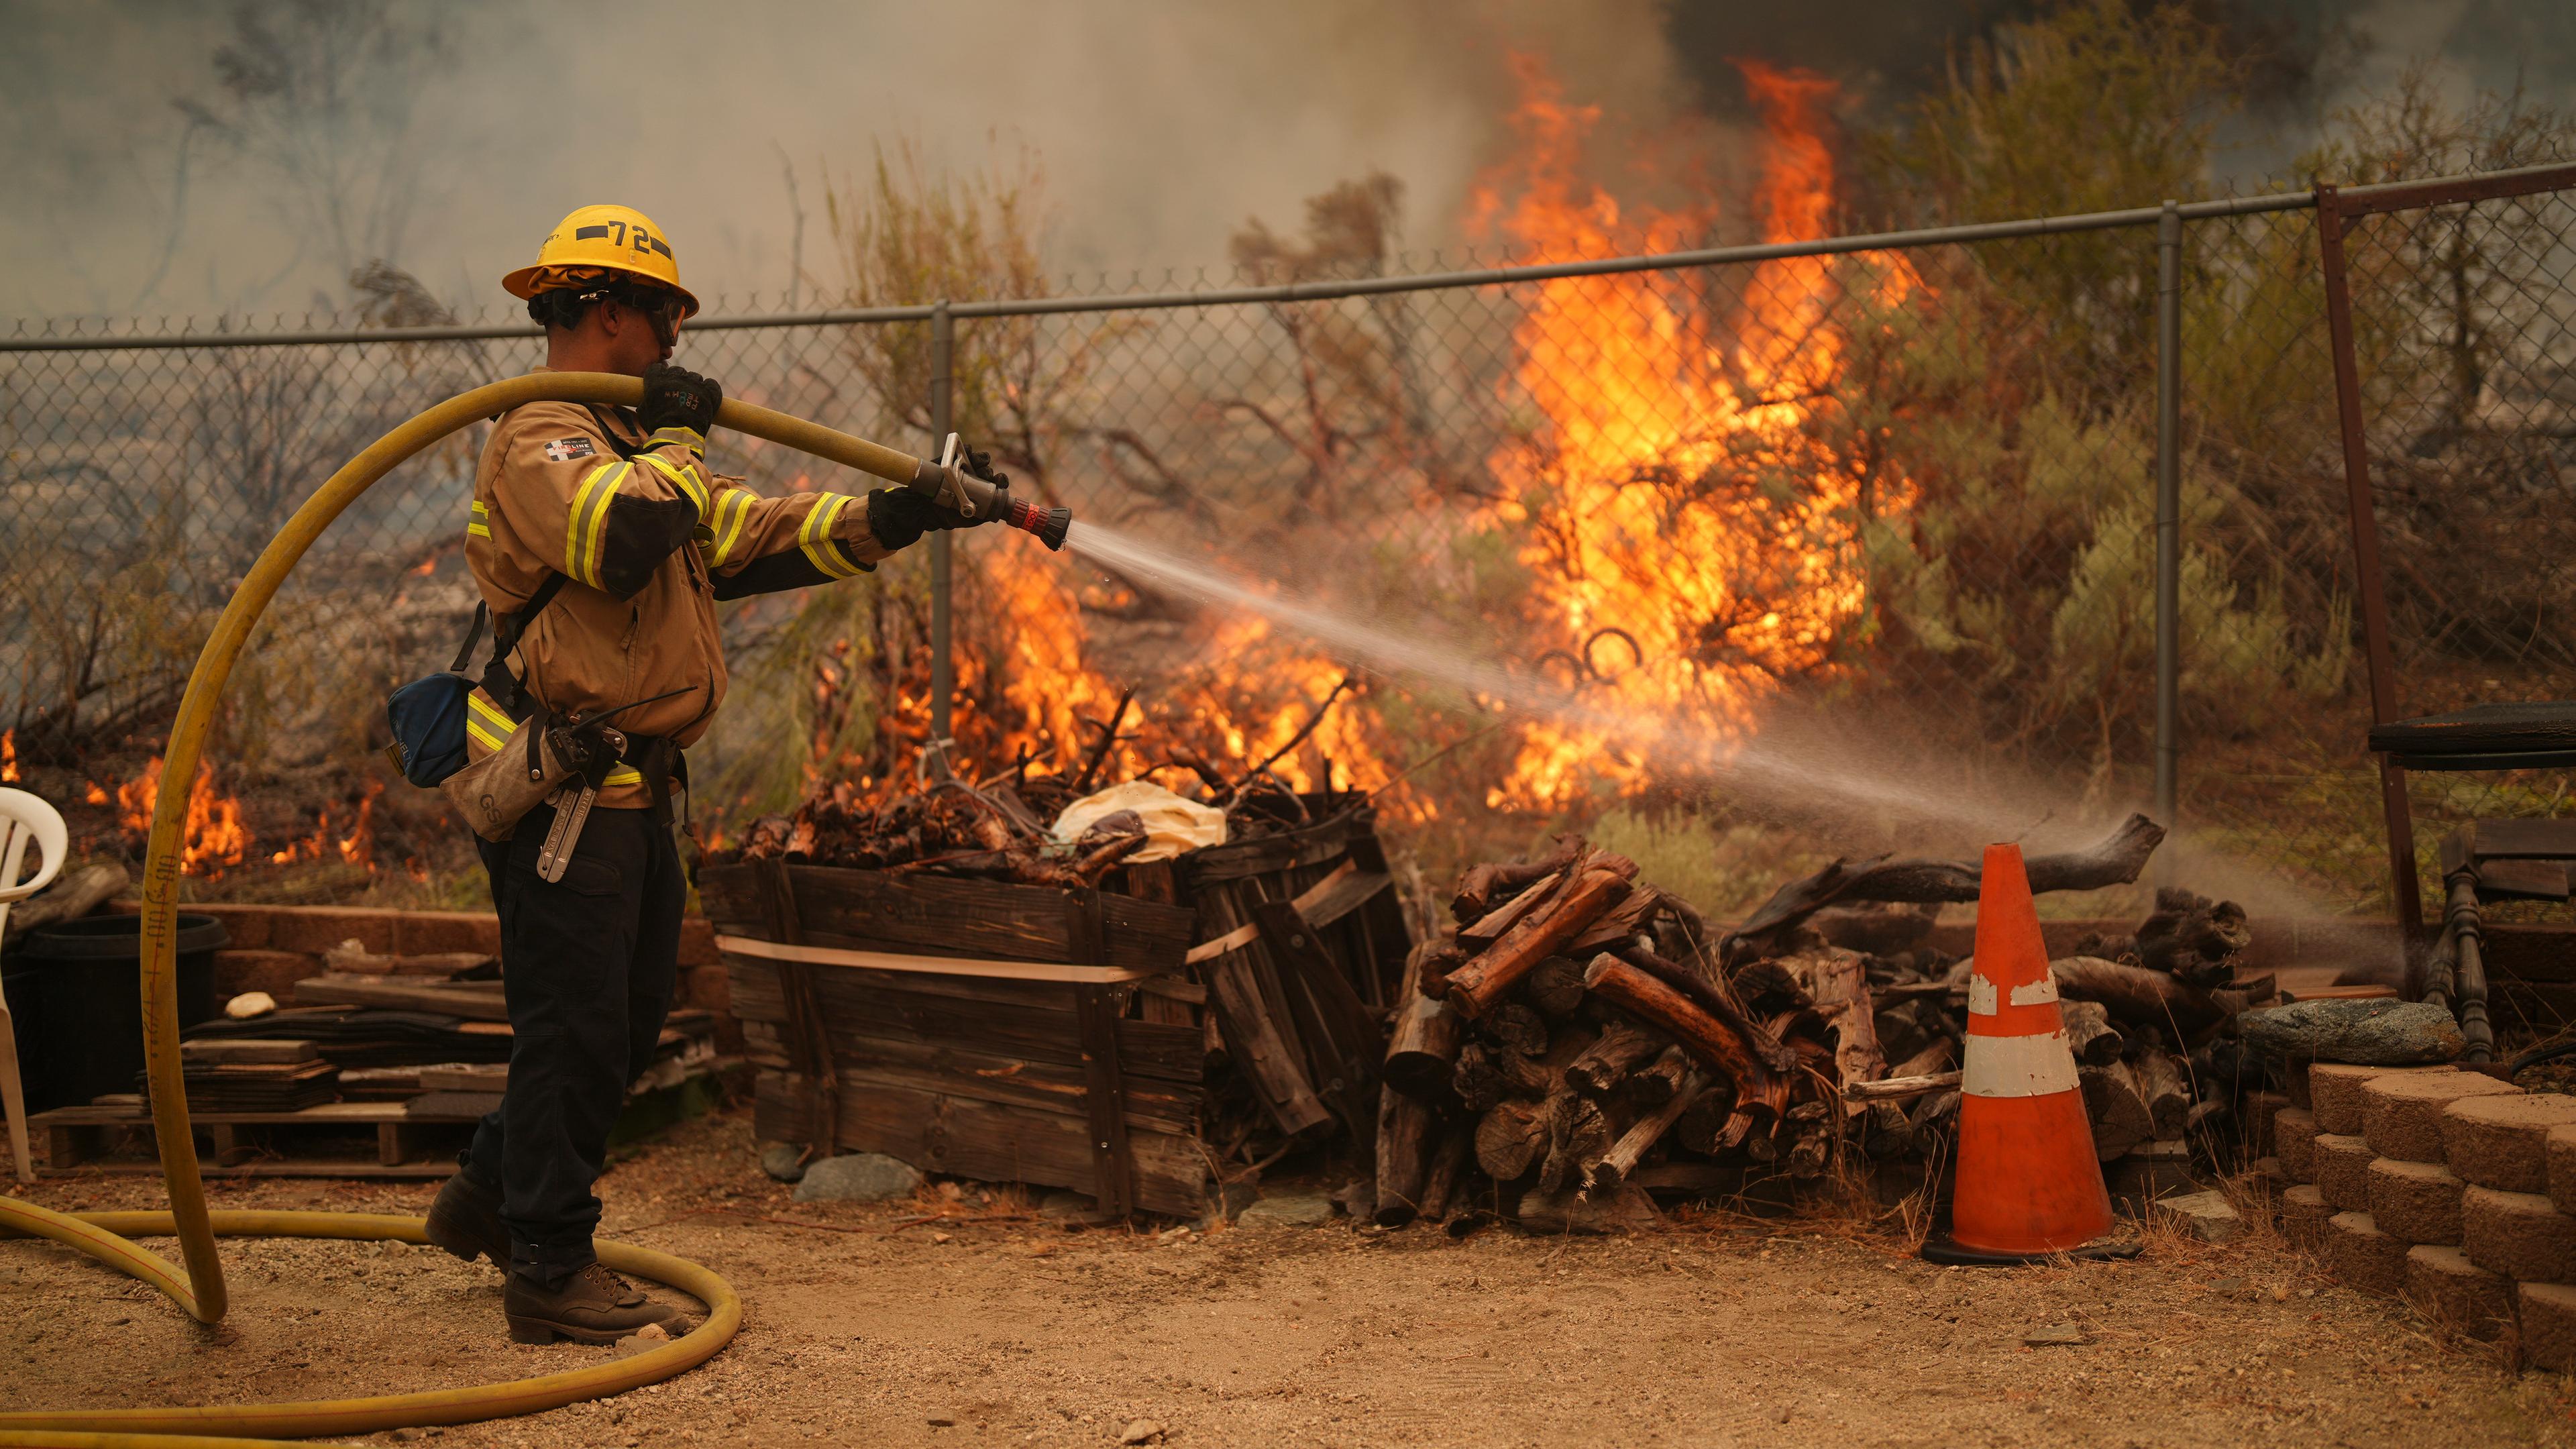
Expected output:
(2028, 1183)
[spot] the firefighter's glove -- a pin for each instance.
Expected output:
(898, 517)
(675, 397)
(981, 465)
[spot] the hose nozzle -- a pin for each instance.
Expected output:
(952, 487)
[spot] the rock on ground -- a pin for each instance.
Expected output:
(2371, 1032)
(2208, 1216)
(784, 1161)
(857, 1177)
(2502, 1141)
(1288, 1210)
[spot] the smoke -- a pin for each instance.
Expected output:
(1161, 126)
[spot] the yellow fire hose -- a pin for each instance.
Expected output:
(200, 1289)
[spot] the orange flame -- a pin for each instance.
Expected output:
(1693, 546)
(357, 847)
(8, 757)
(212, 834)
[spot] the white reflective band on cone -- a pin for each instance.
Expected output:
(2035, 993)
(2018, 1066)
(1981, 995)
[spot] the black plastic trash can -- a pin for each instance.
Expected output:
(90, 1000)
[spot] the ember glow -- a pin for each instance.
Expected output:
(8, 757)
(1692, 545)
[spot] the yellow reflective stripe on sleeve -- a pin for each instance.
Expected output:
(689, 438)
(684, 476)
(625, 775)
(815, 537)
(733, 515)
(478, 521)
(589, 523)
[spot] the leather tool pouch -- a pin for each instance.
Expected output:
(496, 791)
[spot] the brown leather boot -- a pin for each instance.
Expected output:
(593, 1306)
(466, 1221)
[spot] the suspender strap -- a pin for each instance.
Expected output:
(465, 654)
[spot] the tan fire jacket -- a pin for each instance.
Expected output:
(647, 545)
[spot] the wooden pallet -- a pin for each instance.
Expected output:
(77, 1137)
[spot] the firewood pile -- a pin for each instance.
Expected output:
(1584, 1041)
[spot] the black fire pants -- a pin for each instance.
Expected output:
(589, 965)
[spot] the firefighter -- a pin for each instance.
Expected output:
(602, 543)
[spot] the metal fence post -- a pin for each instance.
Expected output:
(2168, 514)
(943, 669)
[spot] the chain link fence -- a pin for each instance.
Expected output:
(1872, 523)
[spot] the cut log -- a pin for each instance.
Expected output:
(1555, 987)
(1476, 935)
(1405, 1126)
(1620, 1162)
(2137, 996)
(1623, 1046)
(1628, 1210)
(2166, 1091)
(1711, 996)
(1934, 1058)
(1838, 982)
(1448, 1170)
(2119, 1114)
(1483, 885)
(1478, 986)
(1898, 1089)
(74, 894)
(2089, 1032)
(1514, 1027)
(1422, 1053)
(1478, 1078)
(1654, 1084)
(1578, 1133)
(1703, 1122)
(2193, 937)
(1887, 1132)
(1510, 1139)
(2116, 860)
(1877, 928)
(1703, 1035)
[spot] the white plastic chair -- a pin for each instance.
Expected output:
(23, 818)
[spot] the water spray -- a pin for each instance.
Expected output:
(948, 484)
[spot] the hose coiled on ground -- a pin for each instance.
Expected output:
(200, 1288)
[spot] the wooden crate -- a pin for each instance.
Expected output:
(966, 1026)
(1303, 945)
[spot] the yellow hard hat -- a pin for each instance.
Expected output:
(599, 239)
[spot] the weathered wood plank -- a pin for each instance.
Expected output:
(940, 1133)
(863, 1003)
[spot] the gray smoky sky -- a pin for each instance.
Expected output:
(138, 184)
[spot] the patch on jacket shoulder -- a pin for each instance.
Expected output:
(564, 450)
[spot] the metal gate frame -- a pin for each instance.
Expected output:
(2335, 209)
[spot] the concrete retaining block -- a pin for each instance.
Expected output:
(2502, 1141)
(2451, 1289)
(2363, 1257)
(2415, 1202)
(2343, 1172)
(2519, 1234)
(2401, 1114)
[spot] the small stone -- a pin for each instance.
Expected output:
(2364, 1257)
(2372, 1032)
(857, 1177)
(941, 1418)
(784, 1161)
(410, 1435)
(250, 1004)
(1288, 1210)
(943, 1237)
(2343, 1172)
(2208, 1216)
(2502, 1142)
(654, 1333)
(2056, 1333)
(1141, 1431)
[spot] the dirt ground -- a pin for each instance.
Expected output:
(996, 1326)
